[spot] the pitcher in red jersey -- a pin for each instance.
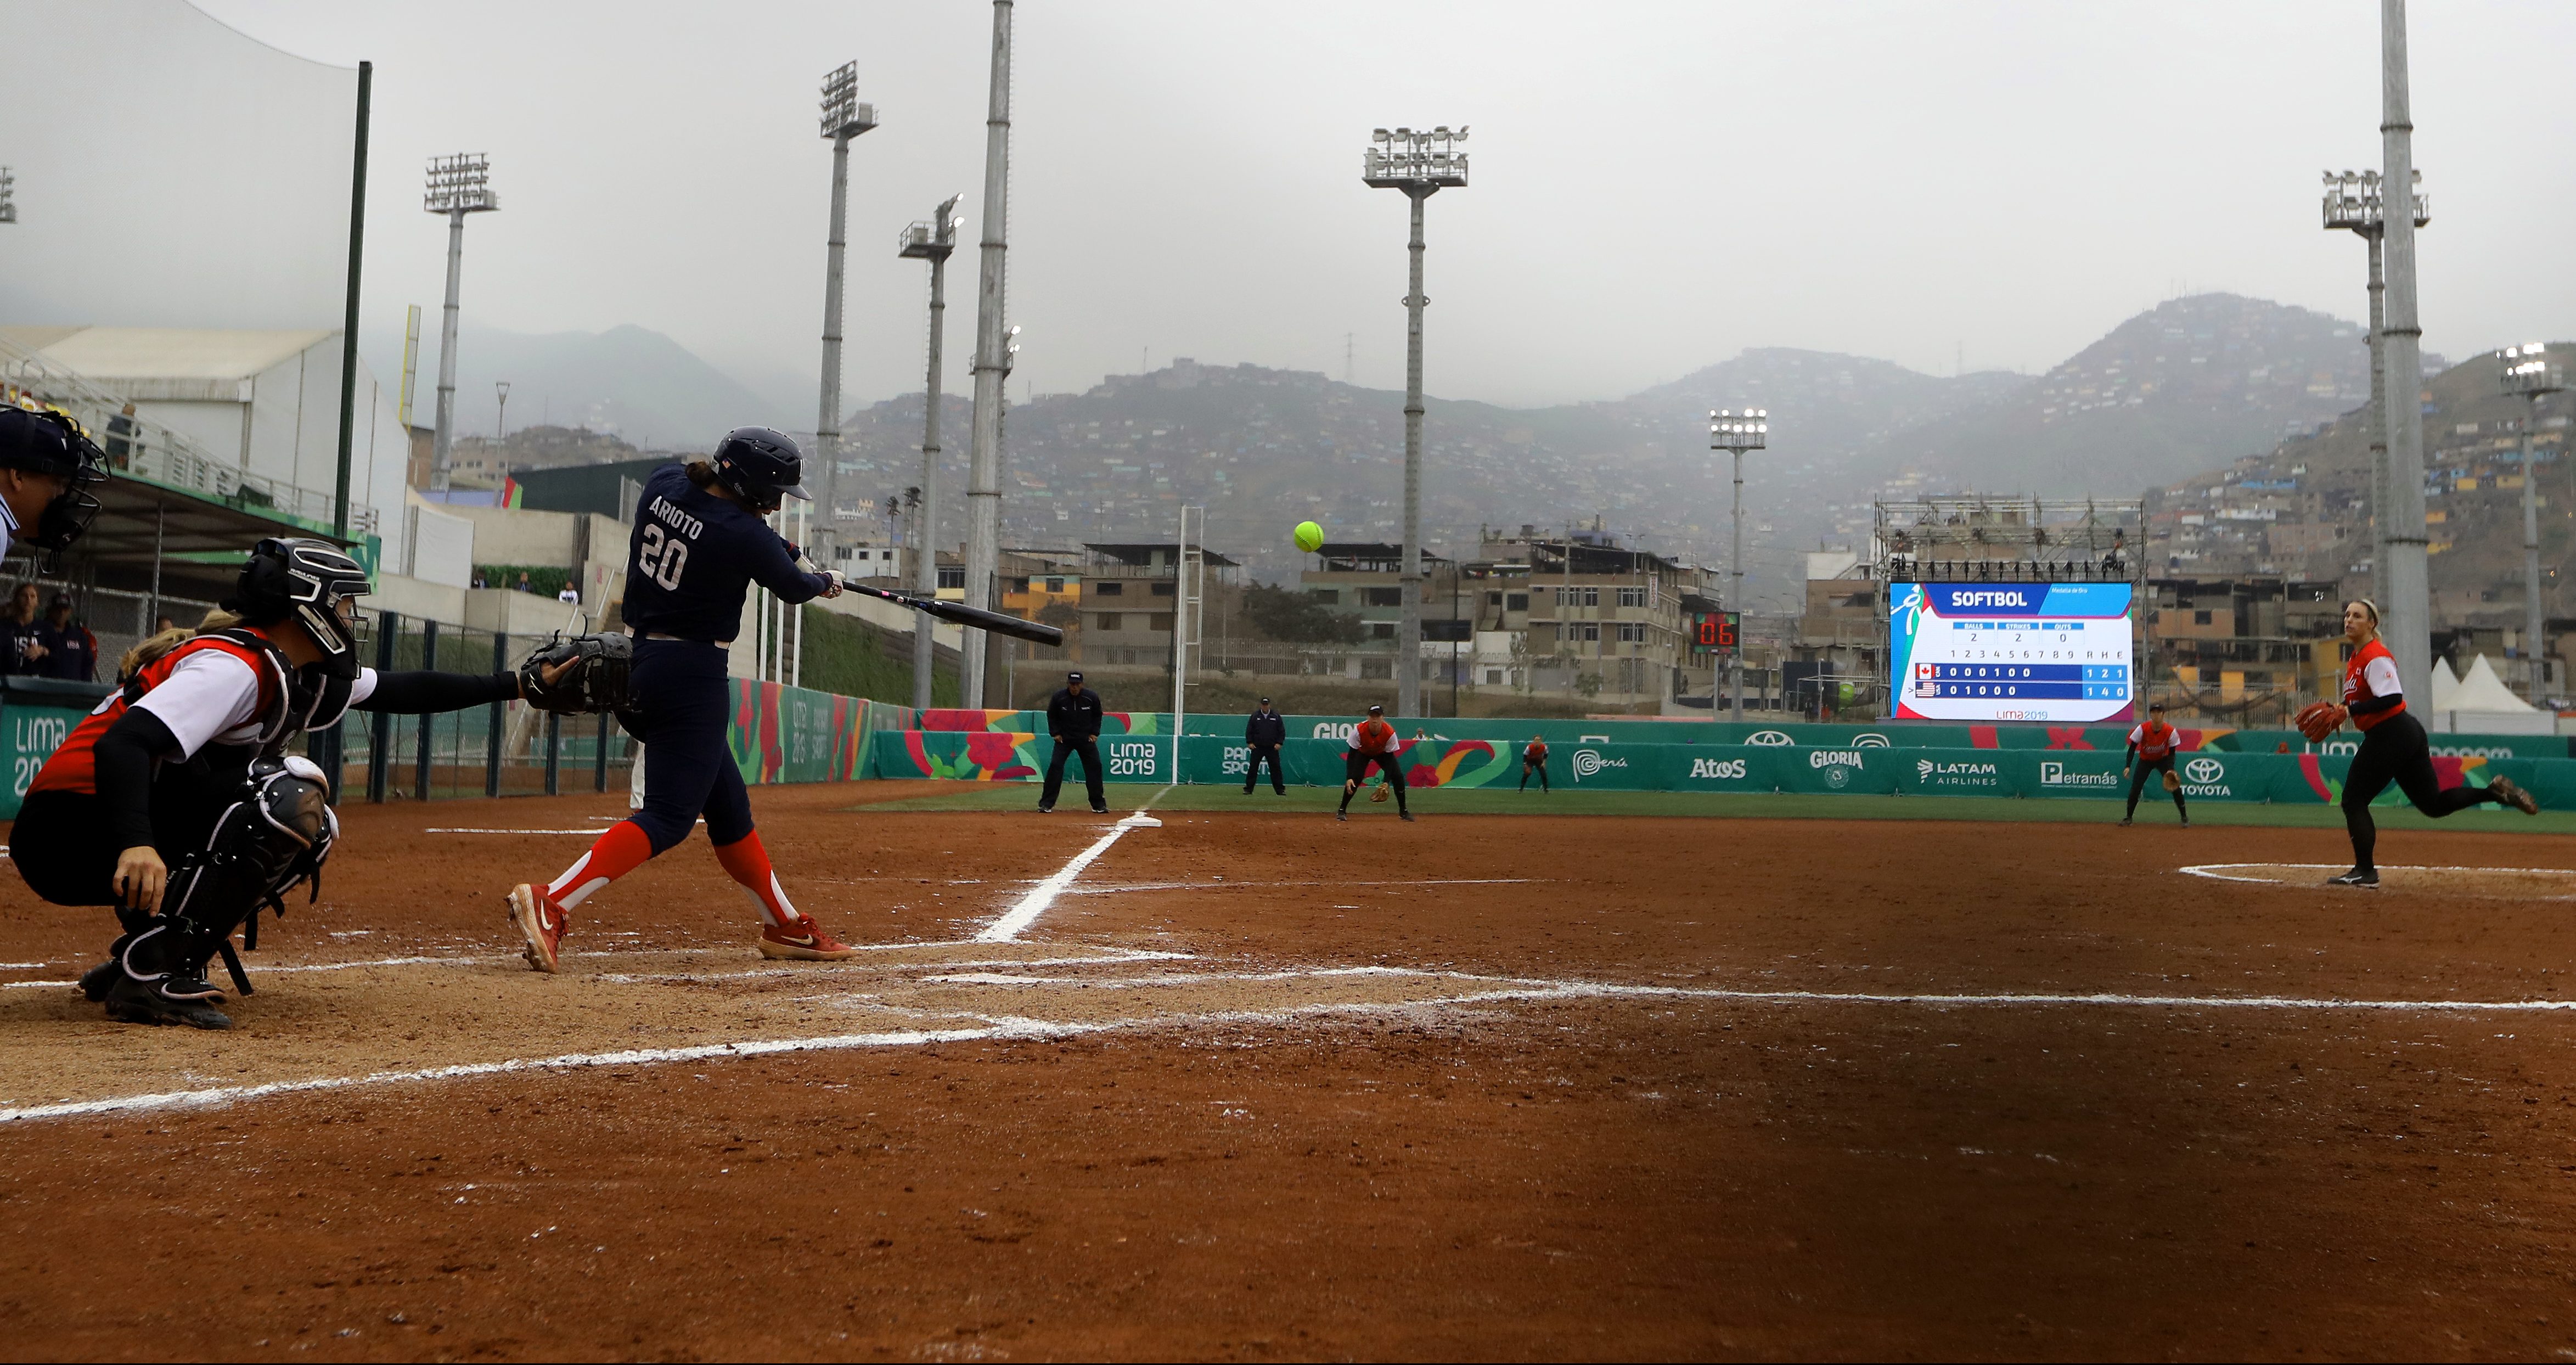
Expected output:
(2393, 747)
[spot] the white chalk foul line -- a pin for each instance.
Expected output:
(1021, 915)
(1015, 1028)
(1267, 886)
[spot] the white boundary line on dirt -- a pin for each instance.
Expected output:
(1272, 886)
(2219, 872)
(1011, 1028)
(1016, 921)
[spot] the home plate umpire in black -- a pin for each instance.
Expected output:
(699, 544)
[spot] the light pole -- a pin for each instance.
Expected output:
(501, 431)
(1736, 434)
(843, 118)
(2352, 204)
(931, 241)
(2529, 371)
(457, 185)
(992, 368)
(1420, 163)
(2402, 539)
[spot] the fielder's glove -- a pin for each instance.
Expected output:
(601, 666)
(2320, 720)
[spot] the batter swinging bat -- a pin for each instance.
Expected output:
(957, 613)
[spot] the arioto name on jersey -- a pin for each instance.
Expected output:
(693, 557)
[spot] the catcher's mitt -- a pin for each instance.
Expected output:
(2320, 720)
(2172, 783)
(601, 665)
(1380, 793)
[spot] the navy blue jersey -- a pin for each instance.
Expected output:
(692, 556)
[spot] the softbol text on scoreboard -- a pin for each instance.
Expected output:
(2011, 651)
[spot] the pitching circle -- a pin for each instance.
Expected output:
(2489, 883)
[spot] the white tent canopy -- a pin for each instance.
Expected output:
(2446, 684)
(2482, 705)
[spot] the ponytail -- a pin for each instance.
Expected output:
(152, 649)
(702, 473)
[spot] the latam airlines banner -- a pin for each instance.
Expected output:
(2056, 652)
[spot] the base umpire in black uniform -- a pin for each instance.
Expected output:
(1073, 722)
(1263, 734)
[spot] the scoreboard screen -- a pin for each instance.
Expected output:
(1713, 631)
(2011, 651)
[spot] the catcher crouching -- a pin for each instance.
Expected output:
(176, 802)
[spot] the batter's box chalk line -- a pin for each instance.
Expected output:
(1006, 1027)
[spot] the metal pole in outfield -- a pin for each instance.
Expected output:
(2529, 372)
(2403, 541)
(992, 366)
(349, 321)
(456, 186)
(843, 118)
(932, 241)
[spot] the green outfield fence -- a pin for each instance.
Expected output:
(2041, 762)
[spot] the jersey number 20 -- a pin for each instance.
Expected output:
(670, 553)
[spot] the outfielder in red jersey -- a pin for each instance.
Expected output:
(1373, 741)
(2393, 748)
(2152, 745)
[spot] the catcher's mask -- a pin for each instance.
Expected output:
(43, 441)
(312, 583)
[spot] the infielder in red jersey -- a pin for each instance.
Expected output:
(2151, 748)
(2393, 747)
(1373, 741)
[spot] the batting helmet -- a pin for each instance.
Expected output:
(760, 465)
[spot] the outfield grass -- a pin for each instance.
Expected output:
(1771, 806)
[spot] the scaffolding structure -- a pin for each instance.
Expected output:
(1978, 538)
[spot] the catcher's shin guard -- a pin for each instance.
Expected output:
(272, 838)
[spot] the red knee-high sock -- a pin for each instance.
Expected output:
(621, 850)
(748, 863)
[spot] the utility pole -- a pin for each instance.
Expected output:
(931, 241)
(2353, 204)
(1420, 163)
(843, 118)
(1738, 434)
(2528, 371)
(349, 325)
(2403, 542)
(992, 367)
(457, 185)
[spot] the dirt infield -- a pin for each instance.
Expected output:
(1265, 1085)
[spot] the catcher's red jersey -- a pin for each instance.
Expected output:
(2372, 673)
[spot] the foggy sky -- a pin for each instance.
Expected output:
(1656, 186)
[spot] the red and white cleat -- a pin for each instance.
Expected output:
(803, 941)
(540, 922)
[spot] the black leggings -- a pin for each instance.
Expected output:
(2395, 750)
(64, 846)
(1355, 770)
(2138, 780)
(1534, 765)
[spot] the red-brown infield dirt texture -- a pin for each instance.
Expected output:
(1519, 1087)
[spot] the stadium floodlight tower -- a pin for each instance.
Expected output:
(457, 185)
(932, 241)
(2352, 204)
(8, 196)
(843, 118)
(2530, 372)
(1737, 433)
(1420, 162)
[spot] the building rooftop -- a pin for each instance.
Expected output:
(1367, 556)
(1142, 554)
(128, 353)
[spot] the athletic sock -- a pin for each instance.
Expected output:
(621, 850)
(748, 864)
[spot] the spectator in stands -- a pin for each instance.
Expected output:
(524, 585)
(70, 650)
(120, 438)
(570, 596)
(21, 633)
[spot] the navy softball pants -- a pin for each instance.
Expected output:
(682, 707)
